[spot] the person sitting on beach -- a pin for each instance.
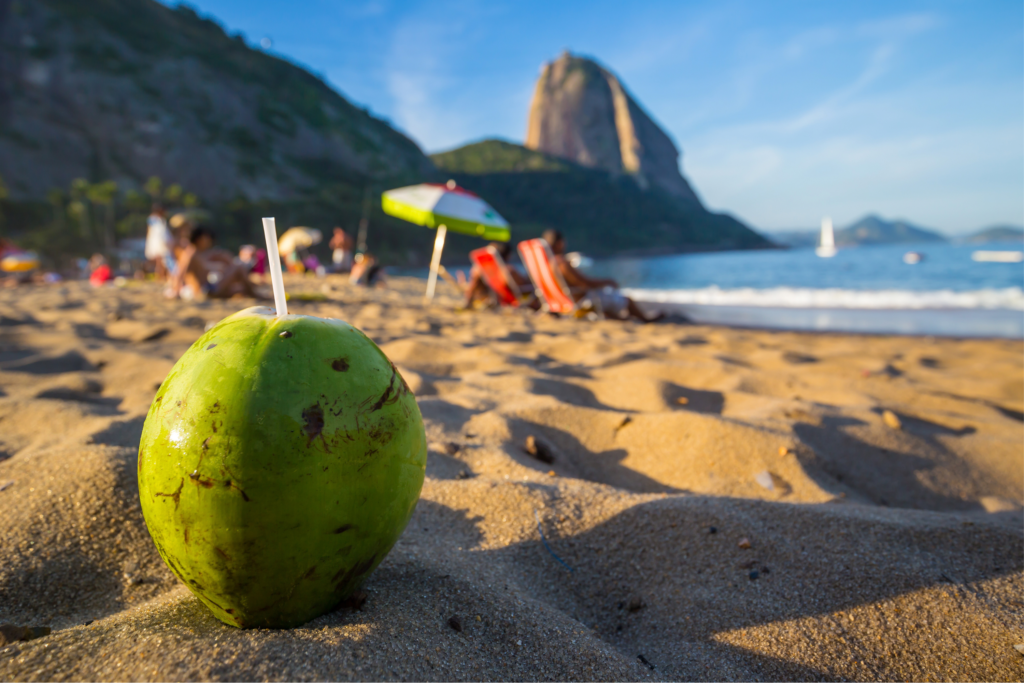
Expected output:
(366, 271)
(477, 290)
(606, 292)
(341, 254)
(206, 271)
(160, 243)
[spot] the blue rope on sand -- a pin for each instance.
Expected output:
(546, 546)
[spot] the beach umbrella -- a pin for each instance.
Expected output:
(19, 262)
(297, 238)
(445, 207)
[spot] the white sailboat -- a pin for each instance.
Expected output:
(827, 246)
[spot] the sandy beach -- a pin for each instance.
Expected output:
(723, 504)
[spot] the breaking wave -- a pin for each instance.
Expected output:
(1011, 298)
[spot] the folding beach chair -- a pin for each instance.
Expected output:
(548, 283)
(496, 275)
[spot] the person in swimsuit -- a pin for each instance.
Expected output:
(614, 303)
(205, 271)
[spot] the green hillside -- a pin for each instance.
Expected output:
(599, 213)
(123, 91)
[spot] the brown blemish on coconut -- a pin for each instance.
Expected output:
(231, 485)
(340, 364)
(197, 479)
(313, 419)
(223, 555)
(343, 528)
(343, 578)
(383, 400)
(176, 496)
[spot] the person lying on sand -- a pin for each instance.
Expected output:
(206, 271)
(478, 291)
(614, 304)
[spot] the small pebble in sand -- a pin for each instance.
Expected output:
(745, 544)
(682, 400)
(635, 604)
(753, 574)
(783, 451)
(539, 449)
(455, 623)
(764, 479)
(451, 448)
(1019, 647)
(891, 420)
(552, 473)
(463, 474)
(712, 530)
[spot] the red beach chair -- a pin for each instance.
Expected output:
(496, 275)
(548, 283)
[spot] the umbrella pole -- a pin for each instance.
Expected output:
(435, 261)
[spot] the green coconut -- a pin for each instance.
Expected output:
(280, 461)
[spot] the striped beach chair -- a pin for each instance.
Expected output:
(548, 283)
(496, 275)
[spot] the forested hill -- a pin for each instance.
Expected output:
(601, 213)
(129, 89)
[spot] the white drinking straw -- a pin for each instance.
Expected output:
(270, 230)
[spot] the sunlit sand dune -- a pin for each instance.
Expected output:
(719, 503)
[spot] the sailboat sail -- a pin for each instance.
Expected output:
(827, 245)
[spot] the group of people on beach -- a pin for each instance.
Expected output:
(188, 260)
(192, 266)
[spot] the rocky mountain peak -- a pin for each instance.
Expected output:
(581, 111)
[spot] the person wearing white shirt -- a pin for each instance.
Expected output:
(160, 243)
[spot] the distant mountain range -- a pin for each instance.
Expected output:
(872, 229)
(997, 233)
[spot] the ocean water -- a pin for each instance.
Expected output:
(862, 289)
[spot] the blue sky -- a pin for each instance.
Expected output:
(784, 111)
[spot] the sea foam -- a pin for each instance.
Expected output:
(1010, 298)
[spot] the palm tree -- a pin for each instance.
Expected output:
(104, 194)
(79, 208)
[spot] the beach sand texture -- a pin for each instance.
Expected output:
(733, 504)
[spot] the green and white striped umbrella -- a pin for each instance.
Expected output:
(445, 207)
(459, 210)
